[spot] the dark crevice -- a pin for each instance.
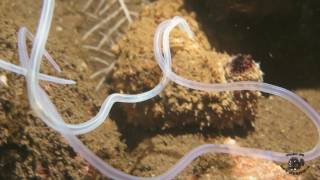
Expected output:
(10, 154)
(281, 35)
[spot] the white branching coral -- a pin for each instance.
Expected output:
(109, 17)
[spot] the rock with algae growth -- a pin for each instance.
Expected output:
(137, 71)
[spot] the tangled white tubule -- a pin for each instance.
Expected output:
(46, 110)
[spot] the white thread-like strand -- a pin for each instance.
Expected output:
(22, 35)
(44, 108)
(23, 71)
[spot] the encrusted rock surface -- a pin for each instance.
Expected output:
(137, 71)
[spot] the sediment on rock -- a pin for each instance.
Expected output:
(136, 71)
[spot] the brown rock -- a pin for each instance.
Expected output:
(136, 71)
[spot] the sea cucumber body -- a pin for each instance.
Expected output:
(136, 71)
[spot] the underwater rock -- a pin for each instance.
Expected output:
(136, 71)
